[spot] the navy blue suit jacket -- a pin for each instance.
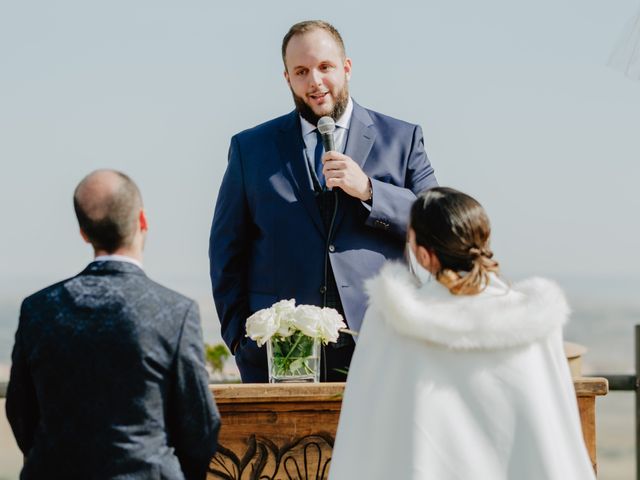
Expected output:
(108, 380)
(268, 240)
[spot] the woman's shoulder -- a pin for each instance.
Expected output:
(502, 316)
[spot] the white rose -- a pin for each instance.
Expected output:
(262, 325)
(307, 318)
(285, 310)
(329, 325)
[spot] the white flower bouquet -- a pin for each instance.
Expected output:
(293, 335)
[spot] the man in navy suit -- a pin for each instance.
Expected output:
(292, 221)
(107, 376)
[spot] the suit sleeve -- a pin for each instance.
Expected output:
(22, 403)
(391, 203)
(194, 418)
(228, 251)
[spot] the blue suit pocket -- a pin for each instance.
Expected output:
(385, 178)
(252, 354)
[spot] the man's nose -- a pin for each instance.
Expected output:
(316, 77)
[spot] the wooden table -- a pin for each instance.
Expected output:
(286, 431)
(587, 389)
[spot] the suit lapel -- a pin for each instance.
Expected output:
(291, 148)
(362, 134)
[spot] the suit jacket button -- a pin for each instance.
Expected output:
(332, 248)
(323, 289)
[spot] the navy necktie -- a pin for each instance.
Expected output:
(318, 158)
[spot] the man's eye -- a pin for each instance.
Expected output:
(301, 72)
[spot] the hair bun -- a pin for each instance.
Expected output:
(475, 252)
(456, 228)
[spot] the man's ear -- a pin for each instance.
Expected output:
(142, 218)
(286, 77)
(347, 68)
(84, 236)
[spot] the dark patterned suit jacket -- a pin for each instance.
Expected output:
(108, 380)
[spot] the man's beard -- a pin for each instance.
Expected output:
(306, 112)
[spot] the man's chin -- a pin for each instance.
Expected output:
(322, 112)
(312, 113)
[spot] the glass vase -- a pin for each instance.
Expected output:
(293, 359)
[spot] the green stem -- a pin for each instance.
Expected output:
(291, 350)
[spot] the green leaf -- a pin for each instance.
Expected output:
(216, 355)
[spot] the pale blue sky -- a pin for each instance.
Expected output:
(515, 99)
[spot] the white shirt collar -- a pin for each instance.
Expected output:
(343, 122)
(118, 258)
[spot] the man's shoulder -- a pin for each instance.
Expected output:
(154, 293)
(266, 128)
(51, 293)
(85, 285)
(169, 295)
(390, 122)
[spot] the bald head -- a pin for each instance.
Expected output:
(107, 204)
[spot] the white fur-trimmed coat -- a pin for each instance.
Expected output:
(460, 387)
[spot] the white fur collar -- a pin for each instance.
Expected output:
(499, 317)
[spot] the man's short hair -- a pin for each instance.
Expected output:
(109, 219)
(307, 26)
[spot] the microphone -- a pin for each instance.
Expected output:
(326, 127)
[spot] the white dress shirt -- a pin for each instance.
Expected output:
(339, 135)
